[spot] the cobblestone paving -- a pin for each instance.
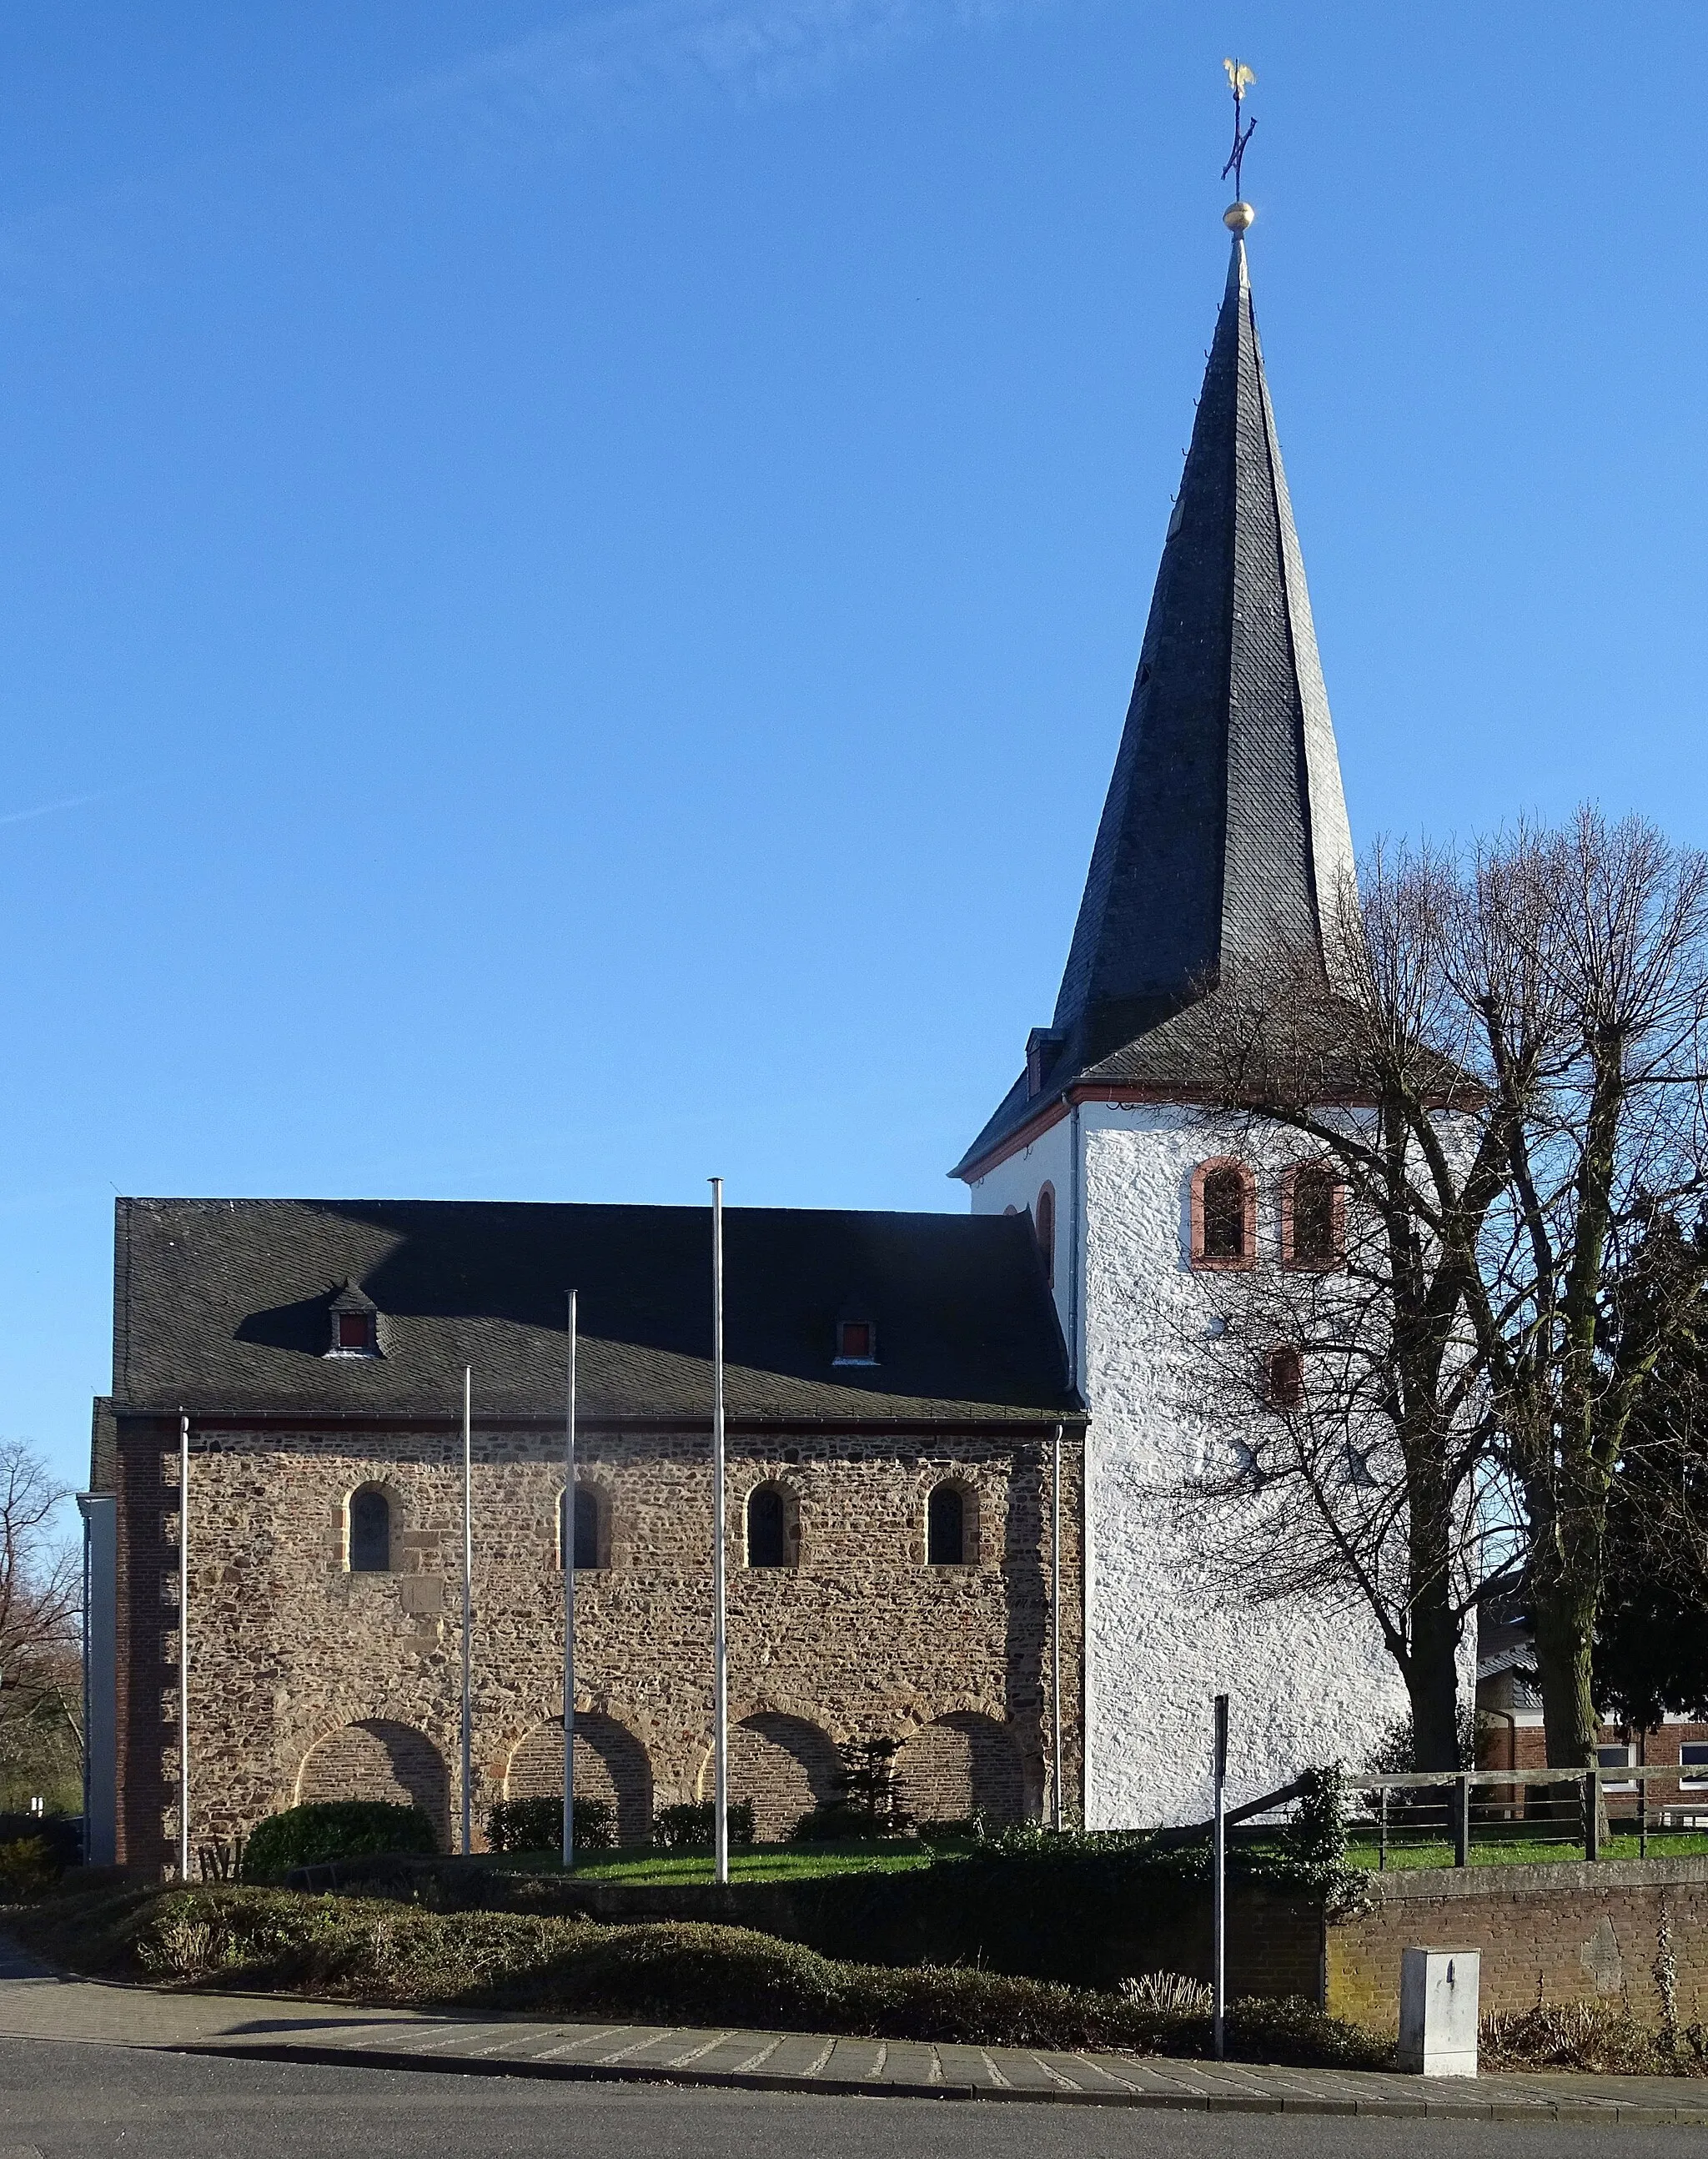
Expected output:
(35, 2004)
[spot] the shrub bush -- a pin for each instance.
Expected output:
(841, 1821)
(62, 1834)
(689, 1828)
(538, 1825)
(351, 1948)
(27, 1867)
(333, 1828)
(1594, 2037)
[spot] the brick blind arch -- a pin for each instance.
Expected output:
(378, 1759)
(611, 1763)
(785, 1765)
(964, 1761)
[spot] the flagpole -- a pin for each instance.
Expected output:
(719, 1646)
(183, 1646)
(1056, 1630)
(468, 1602)
(567, 1531)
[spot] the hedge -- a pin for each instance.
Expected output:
(344, 1948)
(333, 1828)
(538, 1825)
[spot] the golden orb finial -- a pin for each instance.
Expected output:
(1238, 216)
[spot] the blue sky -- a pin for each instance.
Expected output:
(569, 575)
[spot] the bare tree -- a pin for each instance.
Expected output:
(1499, 1054)
(1584, 954)
(1361, 1479)
(40, 1593)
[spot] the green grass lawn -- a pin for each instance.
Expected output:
(1515, 1851)
(749, 1862)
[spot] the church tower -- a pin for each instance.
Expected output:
(1225, 823)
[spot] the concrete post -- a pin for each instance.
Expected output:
(1438, 1991)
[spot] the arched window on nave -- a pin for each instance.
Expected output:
(945, 1526)
(370, 1531)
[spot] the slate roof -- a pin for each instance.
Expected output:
(225, 1304)
(1225, 822)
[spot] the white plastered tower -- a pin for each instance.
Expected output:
(1225, 824)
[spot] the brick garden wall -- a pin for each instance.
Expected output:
(308, 1679)
(1554, 1933)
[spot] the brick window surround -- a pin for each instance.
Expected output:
(1307, 1261)
(1221, 1167)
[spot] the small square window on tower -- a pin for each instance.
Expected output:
(856, 1342)
(354, 1324)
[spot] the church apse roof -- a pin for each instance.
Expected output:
(231, 1305)
(1225, 825)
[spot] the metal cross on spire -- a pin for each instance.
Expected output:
(1240, 79)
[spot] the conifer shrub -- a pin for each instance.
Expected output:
(327, 1830)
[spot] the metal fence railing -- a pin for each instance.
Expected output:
(1521, 1806)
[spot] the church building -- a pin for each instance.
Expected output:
(947, 1433)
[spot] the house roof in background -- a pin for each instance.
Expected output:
(225, 1304)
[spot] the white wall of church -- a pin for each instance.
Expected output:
(1308, 1684)
(1017, 1183)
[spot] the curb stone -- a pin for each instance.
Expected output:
(1377, 2105)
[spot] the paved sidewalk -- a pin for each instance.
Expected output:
(36, 2003)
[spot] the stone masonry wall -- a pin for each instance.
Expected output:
(290, 1652)
(1615, 1932)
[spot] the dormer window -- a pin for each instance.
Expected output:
(354, 1329)
(856, 1342)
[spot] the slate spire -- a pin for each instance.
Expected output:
(1225, 819)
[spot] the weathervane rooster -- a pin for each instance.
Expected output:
(1240, 79)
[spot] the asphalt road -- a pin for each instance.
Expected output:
(72, 2099)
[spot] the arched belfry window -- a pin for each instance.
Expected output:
(1224, 1213)
(1044, 1222)
(370, 1529)
(588, 1528)
(946, 1526)
(1313, 1217)
(770, 1525)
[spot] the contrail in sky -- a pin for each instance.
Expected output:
(47, 809)
(613, 61)
(604, 67)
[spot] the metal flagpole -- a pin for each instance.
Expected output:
(467, 1602)
(567, 1531)
(1219, 1867)
(1056, 1628)
(719, 1646)
(182, 1646)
